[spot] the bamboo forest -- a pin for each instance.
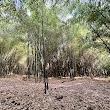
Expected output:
(54, 54)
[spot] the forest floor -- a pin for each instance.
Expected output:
(63, 94)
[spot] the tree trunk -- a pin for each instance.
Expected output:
(35, 58)
(44, 63)
(28, 64)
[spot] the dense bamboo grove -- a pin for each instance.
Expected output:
(55, 38)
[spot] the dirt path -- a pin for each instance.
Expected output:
(79, 94)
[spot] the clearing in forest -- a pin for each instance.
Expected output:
(63, 94)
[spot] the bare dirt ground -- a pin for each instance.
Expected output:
(64, 94)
